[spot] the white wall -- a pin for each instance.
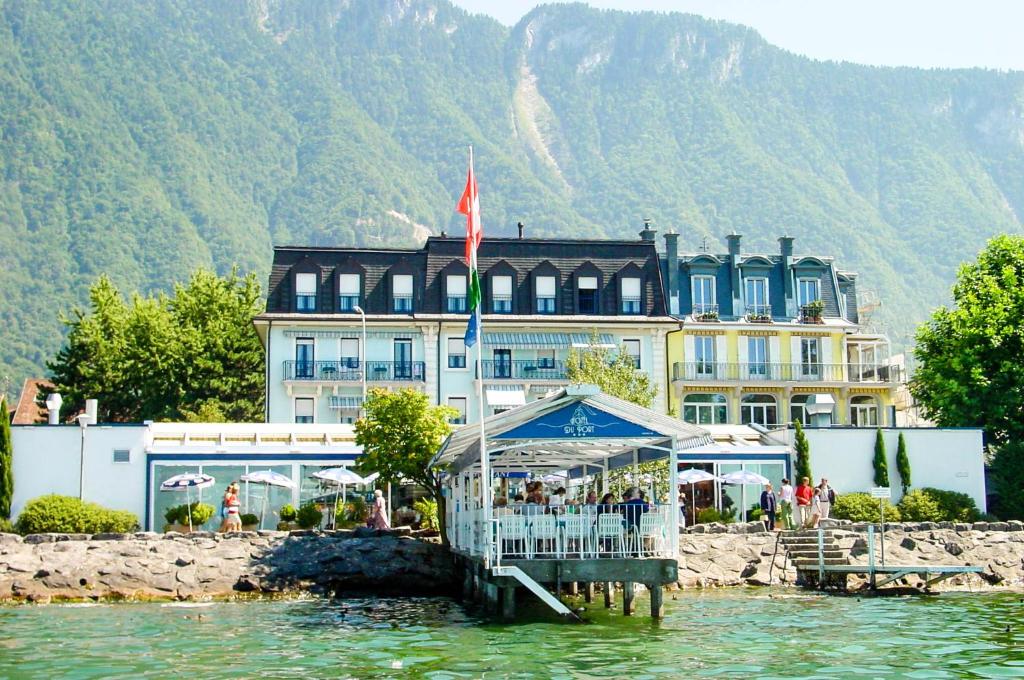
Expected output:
(46, 460)
(950, 459)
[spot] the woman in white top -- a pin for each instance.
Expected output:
(815, 510)
(786, 504)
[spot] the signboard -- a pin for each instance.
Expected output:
(881, 492)
(578, 421)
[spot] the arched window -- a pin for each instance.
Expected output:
(760, 409)
(705, 409)
(798, 410)
(864, 411)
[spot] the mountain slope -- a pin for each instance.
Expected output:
(145, 139)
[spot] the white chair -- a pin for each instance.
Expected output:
(576, 535)
(544, 530)
(651, 531)
(512, 529)
(611, 528)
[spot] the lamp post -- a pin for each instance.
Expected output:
(83, 422)
(362, 358)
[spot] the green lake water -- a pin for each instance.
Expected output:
(733, 634)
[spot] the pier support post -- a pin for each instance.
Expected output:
(508, 602)
(572, 588)
(628, 593)
(608, 591)
(657, 601)
(467, 582)
(588, 591)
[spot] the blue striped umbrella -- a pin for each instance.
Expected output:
(188, 481)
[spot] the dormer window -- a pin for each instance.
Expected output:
(305, 292)
(586, 292)
(756, 290)
(348, 292)
(455, 294)
(631, 295)
(501, 294)
(401, 293)
(704, 303)
(808, 291)
(545, 294)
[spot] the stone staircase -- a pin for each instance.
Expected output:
(802, 551)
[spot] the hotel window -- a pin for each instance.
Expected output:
(304, 359)
(632, 349)
(705, 409)
(456, 353)
(545, 358)
(402, 352)
(459, 404)
(704, 355)
(304, 410)
(545, 294)
(756, 290)
(863, 411)
(810, 357)
(122, 456)
(349, 353)
(703, 295)
(502, 363)
(587, 294)
(305, 292)
(455, 291)
(401, 292)
(807, 291)
(757, 356)
(501, 294)
(631, 295)
(758, 408)
(348, 292)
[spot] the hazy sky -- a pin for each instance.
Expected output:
(927, 33)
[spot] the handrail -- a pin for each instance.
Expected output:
(523, 369)
(350, 370)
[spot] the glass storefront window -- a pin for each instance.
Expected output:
(254, 496)
(162, 500)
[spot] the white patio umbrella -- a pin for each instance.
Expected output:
(691, 477)
(188, 481)
(267, 478)
(340, 476)
(744, 477)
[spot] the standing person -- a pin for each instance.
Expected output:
(768, 507)
(234, 518)
(815, 509)
(803, 494)
(224, 509)
(378, 518)
(786, 504)
(828, 497)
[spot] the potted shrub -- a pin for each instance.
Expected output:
(171, 517)
(706, 315)
(811, 312)
(250, 522)
(287, 514)
(309, 516)
(200, 513)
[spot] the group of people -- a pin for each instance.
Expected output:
(811, 504)
(231, 511)
(632, 505)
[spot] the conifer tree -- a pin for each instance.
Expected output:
(6, 462)
(880, 464)
(803, 453)
(903, 464)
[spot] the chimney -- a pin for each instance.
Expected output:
(786, 251)
(521, 228)
(53, 404)
(734, 243)
(672, 270)
(647, 234)
(91, 409)
(734, 270)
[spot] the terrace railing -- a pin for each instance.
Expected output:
(351, 371)
(523, 369)
(768, 371)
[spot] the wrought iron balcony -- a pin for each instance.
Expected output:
(523, 369)
(705, 311)
(455, 304)
(692, 371)
(630, 305)
(759, 313)
(351, 371)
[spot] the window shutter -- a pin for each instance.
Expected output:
(631, 287)
(401, 284)
(588, 283)
(545, 286)
(305, 284)
(456, 346)
(501, 285)
(348, 284)
(456, 285)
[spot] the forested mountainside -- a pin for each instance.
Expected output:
(144, 139)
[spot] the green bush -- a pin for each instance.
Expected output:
(249, 519)
(68, 515)
(6, 527)
(709, 515)
(309, 516)
(201, 513)
(356, 510)
(936, 505)
(427, 510)
(171, 514)
(861, 507)
(287, 513)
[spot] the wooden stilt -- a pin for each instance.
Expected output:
(608, 591)
(628, 593)
(588, 591)
(657, 601)
(508, 602)
(573, 588)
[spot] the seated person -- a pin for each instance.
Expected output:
(632, 507)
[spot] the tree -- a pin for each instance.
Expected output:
(879, 463)
(6, 462)
(615, 374)
(400, 434)
(803, 453)
(166, 357)
(1008, 480)
(903, 463)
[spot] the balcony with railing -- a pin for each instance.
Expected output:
(455, 304)
(402, 303)
(811, 312)
(501, 304)
(348, 303)
(523, 369)
(545, 305)
(631, 305)
(696, 371)
(705, 311)
(305, 303)
(759, 313)
(351, 371)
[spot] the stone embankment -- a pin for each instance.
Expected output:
(746, 554)
(205, 565)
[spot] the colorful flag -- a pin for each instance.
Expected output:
(469, 205)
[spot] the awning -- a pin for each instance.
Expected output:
(545, 340)
(345, 402)
(506, 396)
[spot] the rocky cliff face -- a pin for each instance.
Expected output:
(198, 566)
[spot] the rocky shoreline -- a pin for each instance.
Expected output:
(201, 566)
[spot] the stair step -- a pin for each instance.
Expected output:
(806, 562)
(797, 554)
